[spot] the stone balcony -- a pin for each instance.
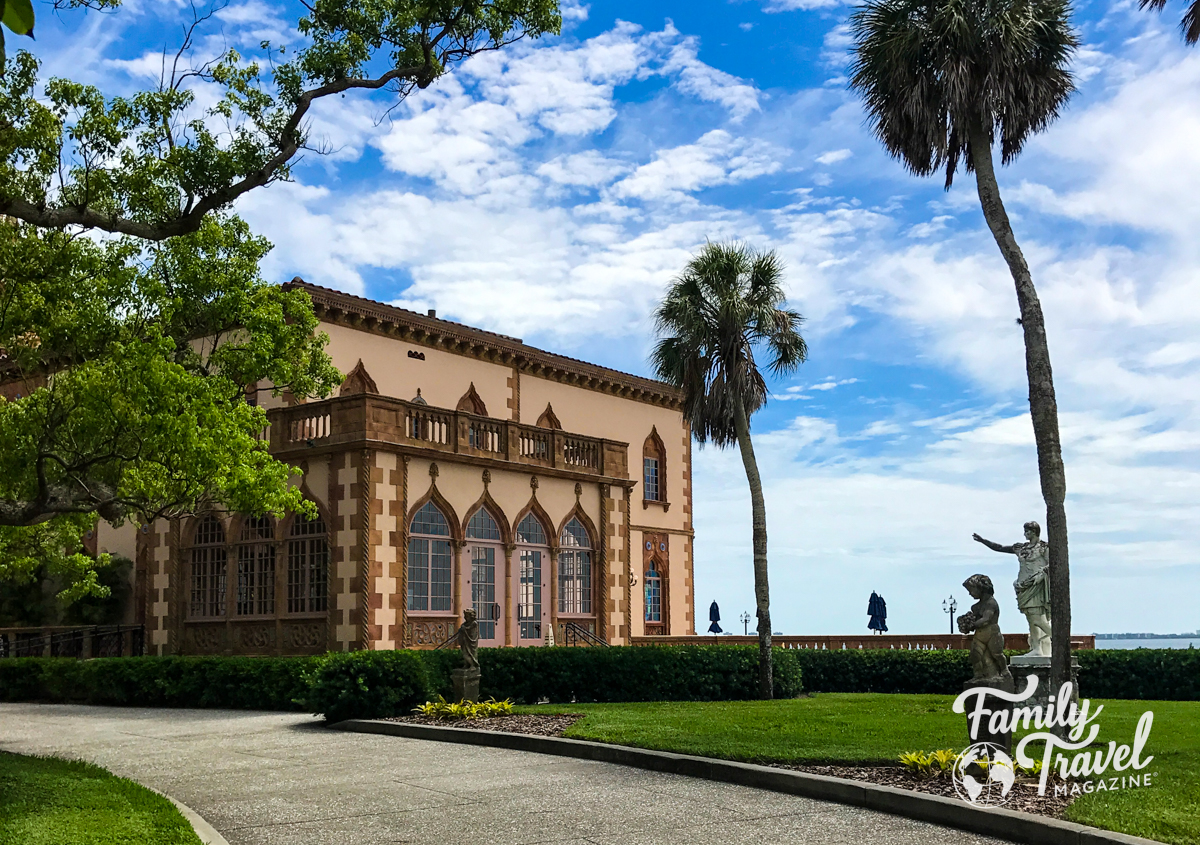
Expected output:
(370, 421)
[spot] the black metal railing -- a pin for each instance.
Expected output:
(576, 635)
(81, 643)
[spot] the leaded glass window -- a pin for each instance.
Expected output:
(430, 561)
(209, 562)
(256, 567)
(574, 569)
(653, 584)
(308, 566)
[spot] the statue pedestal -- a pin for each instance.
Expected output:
(1024, 665)
(992, 703)
(466, 684)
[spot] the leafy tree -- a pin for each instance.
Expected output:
(1190, 25)
(17, 16)
(134, 323)
(727, 304)
(942, 80)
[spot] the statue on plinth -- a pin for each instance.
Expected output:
(466, 679)
(983, 620)
(1032, 585)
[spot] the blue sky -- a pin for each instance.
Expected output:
(550, 191)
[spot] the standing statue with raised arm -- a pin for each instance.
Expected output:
(1032, 585)
(466, 679)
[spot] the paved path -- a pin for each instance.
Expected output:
(282, 778)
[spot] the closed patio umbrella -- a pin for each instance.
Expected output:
(714, 616)
(877, 610)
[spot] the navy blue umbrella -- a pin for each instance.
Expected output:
(877, 610)
(714, 616)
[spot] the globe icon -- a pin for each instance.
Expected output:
(984, 775)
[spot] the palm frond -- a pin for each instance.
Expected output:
(928, 70)
(727, 302)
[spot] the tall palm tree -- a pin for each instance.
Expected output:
(728, 303)
(1191, 18)
(942, 80)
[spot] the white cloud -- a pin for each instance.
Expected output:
(717, 158)
(834, 156)
(799, 5)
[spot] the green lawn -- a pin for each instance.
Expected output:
(849, 727)
(47, 801)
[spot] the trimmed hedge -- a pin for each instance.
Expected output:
(883, 670)
(639, 673)
(238, 683)
(1151, 674)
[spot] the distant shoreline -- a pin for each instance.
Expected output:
(1190, 636)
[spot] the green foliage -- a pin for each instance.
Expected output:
(242, 683)
(1163, 674)
(931, 72)
(728, 302)
(366, 685)
(47, 801)
(932, 764)
(17, 15)
(883, 670)
(632, 673)
(452, 711)
(32, 554)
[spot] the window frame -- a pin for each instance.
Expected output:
(425, 549)
(307, 566)
(215, 554)
(531, 601)
(575, 588)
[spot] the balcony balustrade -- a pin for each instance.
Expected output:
(346, 420)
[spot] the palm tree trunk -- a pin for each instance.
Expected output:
(762, 591)
(1043, 406)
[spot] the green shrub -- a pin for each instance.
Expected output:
(883, 670)
(367, 685)
(1154, 674)
(624, 673)
(243, 683)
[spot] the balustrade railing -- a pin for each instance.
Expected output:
(485, 435)
(430, 426)
(368, 417)
(78, 642)
(903, 642)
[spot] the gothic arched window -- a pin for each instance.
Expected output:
(308, 566)
(533, 549)
(574, 569)
(256, 567)
(483, 537)
(209, 562)
(430, 560)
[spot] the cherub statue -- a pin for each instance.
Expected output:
(467, 639)
(983, 619)
(1032, 585)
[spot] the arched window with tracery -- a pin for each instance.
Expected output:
(308, 566)
(483, 538)
(256, 567)
(209, 563)
(654, 595)
(574, 569)
(430, 561)
(533, 550)
(654, 469)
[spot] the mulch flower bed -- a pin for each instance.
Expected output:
(1023, 798)
(518, 723)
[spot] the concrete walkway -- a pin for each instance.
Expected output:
(282, 778)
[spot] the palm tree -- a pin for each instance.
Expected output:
(727, 303)
(941, 81)
(1191, 18)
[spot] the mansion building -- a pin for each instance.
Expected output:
(455, 468)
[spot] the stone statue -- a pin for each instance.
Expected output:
(1032, 585)
(468, 640)
(983, 619)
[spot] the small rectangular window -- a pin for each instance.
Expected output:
(650, 474)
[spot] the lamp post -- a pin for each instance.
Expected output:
(745, 620)
(949, 606)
